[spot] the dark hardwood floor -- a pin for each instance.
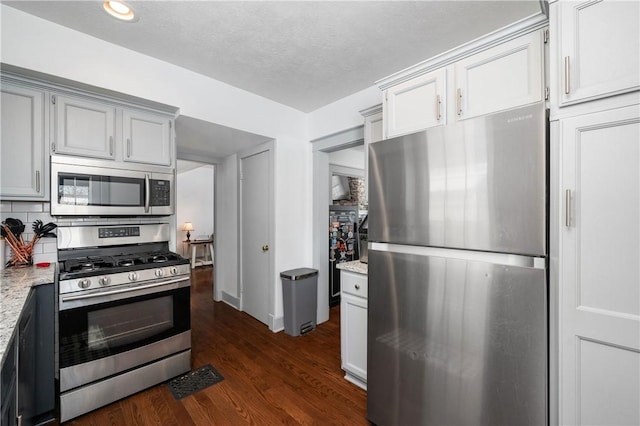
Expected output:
(268, 378)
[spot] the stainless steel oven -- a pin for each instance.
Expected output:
(123, 316)
(89, 187)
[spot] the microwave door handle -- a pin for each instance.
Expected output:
(147, 193)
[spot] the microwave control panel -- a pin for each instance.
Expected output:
(160, 192)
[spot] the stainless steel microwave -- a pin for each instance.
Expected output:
(89, 187)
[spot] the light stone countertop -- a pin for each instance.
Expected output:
(15, 284)
(354, 266)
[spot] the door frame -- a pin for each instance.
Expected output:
(267, 147)
(321, 199)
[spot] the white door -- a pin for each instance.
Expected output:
(600, 269)
(255, 226)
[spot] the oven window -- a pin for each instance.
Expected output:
(126, 324)
(96, 190)
(92, 332)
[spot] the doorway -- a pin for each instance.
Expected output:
(322, 198)
(195, 205)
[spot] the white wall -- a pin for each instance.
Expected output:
(227, 231)
(33, 43)
(349, 157)
(194, 202)
(343, 114)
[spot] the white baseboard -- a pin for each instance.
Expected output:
(231, 300)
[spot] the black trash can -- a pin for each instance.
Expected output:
(300, 300)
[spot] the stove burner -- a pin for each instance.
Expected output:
(159, 259)
(87, 264)
(126, 262)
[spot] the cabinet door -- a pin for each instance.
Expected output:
(353, 331)
(147, 138)
(24, 166)
(599, 273)
(84, 127)
(503, 77)
(373, 132)
(599, 49)
(415, 104)
(8, 408)
(27, 360)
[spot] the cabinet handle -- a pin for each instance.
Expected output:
(110, 145)
(38, 181)
(128, 148)
(438, 106)
(357, 286)
(567, 213)
(567, 81)
(459, 101)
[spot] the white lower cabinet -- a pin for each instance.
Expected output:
(599, 290)
(353, 327)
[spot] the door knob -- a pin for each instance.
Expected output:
(265, 248)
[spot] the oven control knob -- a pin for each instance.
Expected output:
(84, 283)
(104, 281)
(159, 273)
(173, 270)
(133, 276)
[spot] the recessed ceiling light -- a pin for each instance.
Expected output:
(119, 10)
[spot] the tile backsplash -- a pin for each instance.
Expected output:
(45, 249)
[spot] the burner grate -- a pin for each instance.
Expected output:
(89, 263)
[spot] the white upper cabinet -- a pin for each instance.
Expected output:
(373, 128)
(598, 49)
(102, 129)
(506, 76)
(83, 127)
(24, 161)
(147, 138)
(467, 82)
(415, 104)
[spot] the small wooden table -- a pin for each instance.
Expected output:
(207, 259)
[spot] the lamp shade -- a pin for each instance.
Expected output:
(188, 226)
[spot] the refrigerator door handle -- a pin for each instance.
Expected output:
(481, 256)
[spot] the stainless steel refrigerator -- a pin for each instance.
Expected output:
(457, 331)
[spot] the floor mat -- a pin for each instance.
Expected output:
(194, 381)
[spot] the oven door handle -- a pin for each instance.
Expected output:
(120, 291)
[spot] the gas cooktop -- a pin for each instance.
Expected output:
(86, 266)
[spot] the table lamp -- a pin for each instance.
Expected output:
(188, 226)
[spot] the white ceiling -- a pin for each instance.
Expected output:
(305, 54)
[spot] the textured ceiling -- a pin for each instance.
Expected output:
(302, 54)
